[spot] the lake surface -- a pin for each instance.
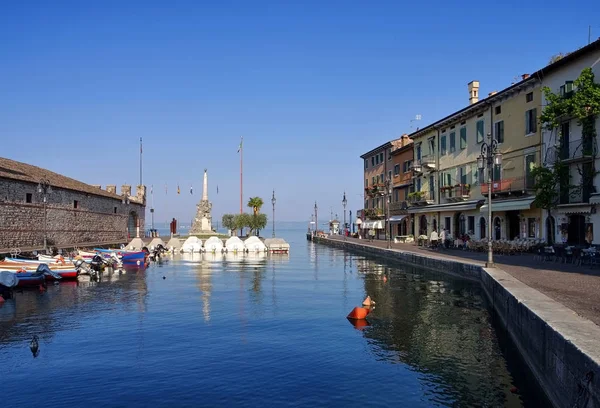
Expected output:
(260, 331)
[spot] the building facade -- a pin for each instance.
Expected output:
(36, 203)
(575, 218)
(377, 164)
(401, 223)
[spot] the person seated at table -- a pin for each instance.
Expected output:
(433, 239)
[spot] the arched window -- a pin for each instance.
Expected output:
(423, 225)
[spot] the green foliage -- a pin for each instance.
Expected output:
(228, 221)
(255, 203)
(241, 221)
(547, 182)
(257, 222)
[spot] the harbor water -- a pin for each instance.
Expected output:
(249, 330)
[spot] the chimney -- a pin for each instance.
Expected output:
(525, 76)
(111, 189)
(473, 92)
(98, 186)
(492, 93)
(126, 190)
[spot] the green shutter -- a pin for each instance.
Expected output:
(463, 138)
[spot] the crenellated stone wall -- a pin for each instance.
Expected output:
(72, 217)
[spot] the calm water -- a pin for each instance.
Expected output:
(259, 331)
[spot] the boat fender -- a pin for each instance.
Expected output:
(358, 313)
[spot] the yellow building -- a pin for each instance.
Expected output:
(449, 193)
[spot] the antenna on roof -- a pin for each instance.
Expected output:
(417, 117)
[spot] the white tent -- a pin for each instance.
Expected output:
(174, 244)
(254, 244)
(234, 244)
(213, 244)
(277, 245)
(191, 245)
(136, 244)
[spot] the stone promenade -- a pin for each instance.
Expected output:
(576, 287)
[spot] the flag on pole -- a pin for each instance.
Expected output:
(178, 191)
(152, 189)
(217, 189)
(241, 141)
(191, 190)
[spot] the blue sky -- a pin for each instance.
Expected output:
(310, 85)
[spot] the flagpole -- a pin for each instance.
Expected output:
(241, 175)
(140, 161)
(152, 205)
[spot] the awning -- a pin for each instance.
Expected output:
(358, 221)
(595, 199)
(397, 218)
(579, 208)
(460, 206)
(372, 225)
(509, 205)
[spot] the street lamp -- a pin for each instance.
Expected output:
(273, 200)
(344, 202)
(316, 219)
(44, 188)
(490, 157)
(388, 191)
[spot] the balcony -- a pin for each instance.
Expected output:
(373, 213)
(459, 192)
(421, 198)
(398, 206)
(515, 185)
(577, 150)
(428, 162)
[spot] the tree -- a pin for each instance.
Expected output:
(255, 203)
(228, 221)
(257, 222)
(241, 221)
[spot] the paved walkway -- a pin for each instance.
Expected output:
(577, 287)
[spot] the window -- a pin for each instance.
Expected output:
(443, 145)
(531, 227)
(382, 179)
(372, 160)
(389, 175)
(396, 169)
(531, 121)
(463, 138)
(389, 154)
(28, 198)
(529, 97)
(396, 195)
(499, 131)
(498, 110)
(497, 172)
(480, 131)
(376, 160)
(366, 163)
(447, 222)
(463, 175)
(409, 165)
(474, 174)
(367, 182)
(529, 166)
(418, 184)
(114, 210)
(419, 152)
(431, 187)
(568, 87)
(75, 203)
(432, 146)
(471, 225)
(366, 204)
(381, 157)
(452, 142)
(373, 181)
(373, 203)
(378, 203)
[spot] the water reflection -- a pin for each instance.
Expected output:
(441, 328)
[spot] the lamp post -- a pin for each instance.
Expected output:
(316, 219)
(344, 202)
(388, 191)
(490, 157)
(273, 200)
(44, 188)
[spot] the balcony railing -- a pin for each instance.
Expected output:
(577, 149)
(458, 192)
(399, 205)
(428, 161)
(509, 185)
(373, 213)
(421, 197)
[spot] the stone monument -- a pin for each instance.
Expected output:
(203, 220)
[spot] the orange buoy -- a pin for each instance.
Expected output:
(358, 313)
(359, 324)
(368, 301)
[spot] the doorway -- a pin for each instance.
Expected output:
(513, 220)
(423, 225)
(482, 228)
(576, 230)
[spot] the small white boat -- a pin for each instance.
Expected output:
(192, 245)
(254, 244)
(234, 245)
(213, 244)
